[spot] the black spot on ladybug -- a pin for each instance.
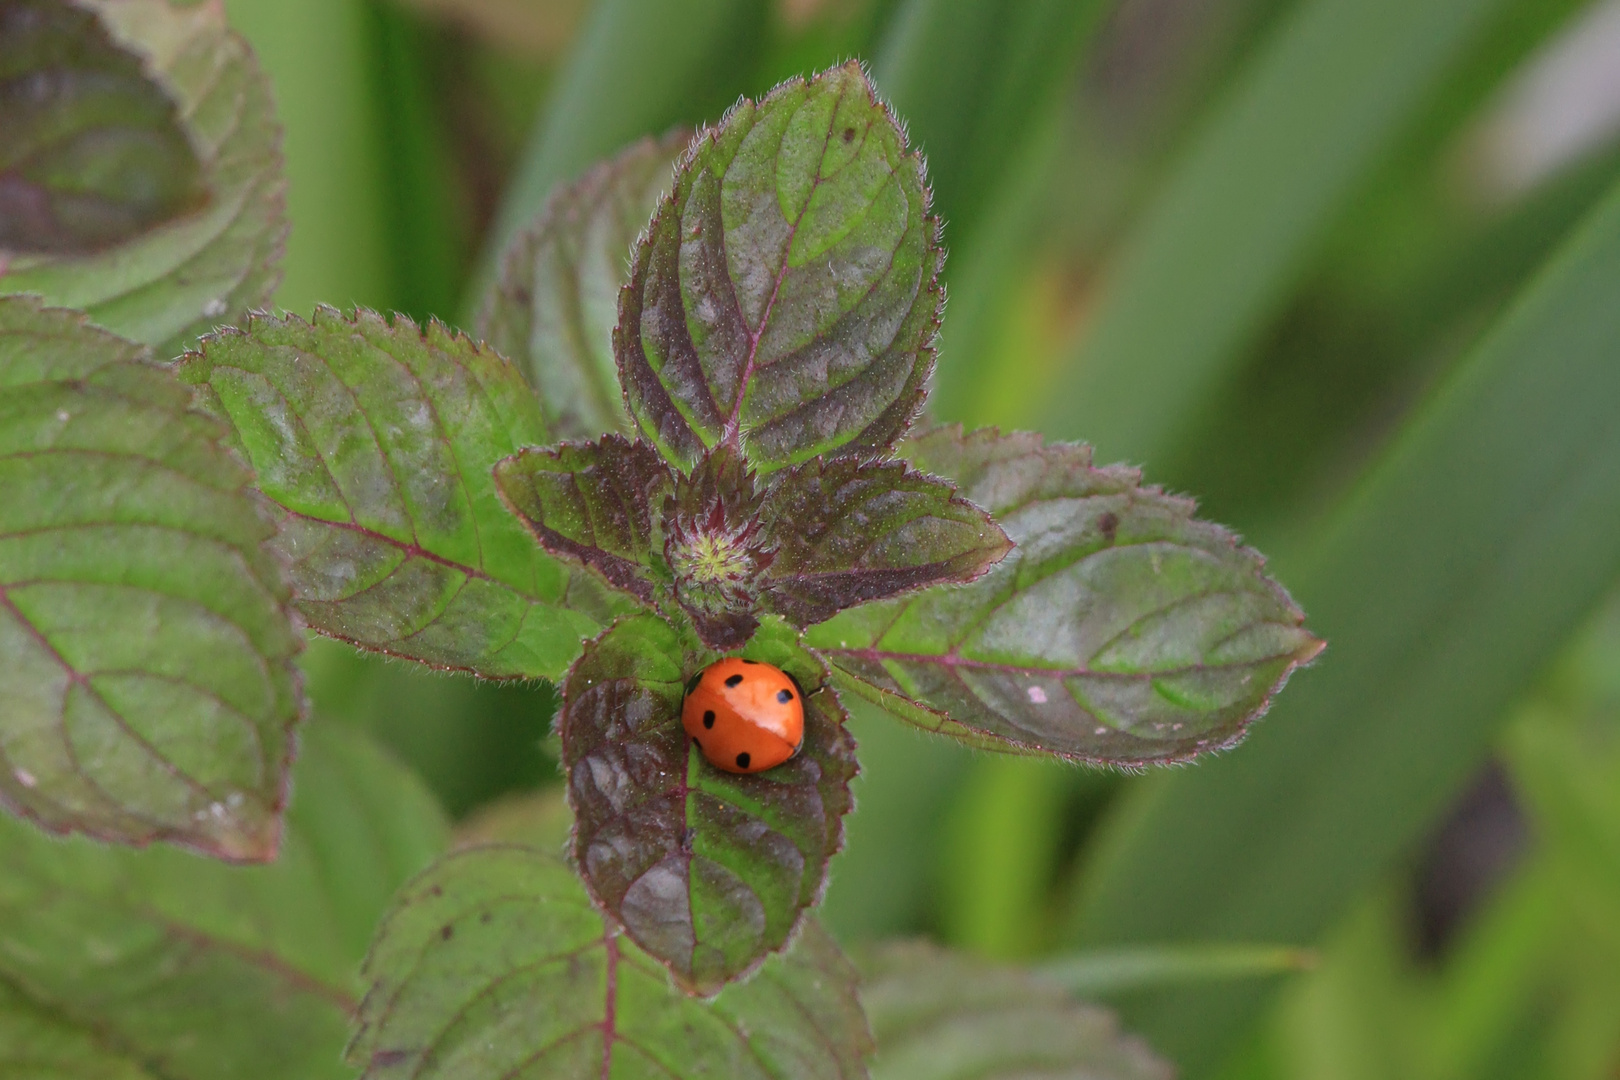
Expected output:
(849, 135)
(447, 932)
(735, 680)
(742, 760)
(784, 696)
(708, 718)
(692, 683)
(1108, 524)
(750, 661)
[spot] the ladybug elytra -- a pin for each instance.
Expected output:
(743, 715)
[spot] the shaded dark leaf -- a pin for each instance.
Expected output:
(494, 964)
(140, 166)
(376, 443)
(708, 871)
(850, 532)
(939, 1015)
(554, 306)
(147, 680)
(126, 964)
(597, 503)
(94, 151)
(1120, 630)
(784, 298)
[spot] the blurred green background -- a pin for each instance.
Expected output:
(1346, 270)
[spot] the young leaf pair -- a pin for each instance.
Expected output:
(725, 548)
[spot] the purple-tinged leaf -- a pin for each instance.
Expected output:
(939, 1015)
(159, 220)
(376, 443)
(785, 296)
(707, 871)
(148, 685)
(553, 308)
(1121, 629)
(495, 965)
(850, 532)
(716, 548)
(596, 503)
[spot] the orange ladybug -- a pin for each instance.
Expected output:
(745, 716)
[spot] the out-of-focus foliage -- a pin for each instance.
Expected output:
(164, 964)
(1129, 187)
(1529, 986)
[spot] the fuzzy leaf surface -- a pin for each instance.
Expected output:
(495, 965)
(553, 308)
(148, 686)
(706, 870)
(157, 963)
(938, 1015)
(375, 442)
(784, 298)
(850, 532)
(141, 164)
(597, 503)
(1120, 630)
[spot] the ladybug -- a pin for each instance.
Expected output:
(745, 716)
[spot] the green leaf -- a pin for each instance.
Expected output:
(849, 532)
(596, 503)
(495, 964)
(155, 151)
(708, 871)
(1471, 550)
(147, 680)
(1222, 244)
(36, 1043)
(375, 441)
(785, 296)
(161, 964)
(1121, 629)
(553, 308)
(944, 1016)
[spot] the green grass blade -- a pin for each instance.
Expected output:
(1100, 972)
(1469, 553)
(427, 234)
(638, 66)
(315, 52)
(974, 80)
(1218, 249)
